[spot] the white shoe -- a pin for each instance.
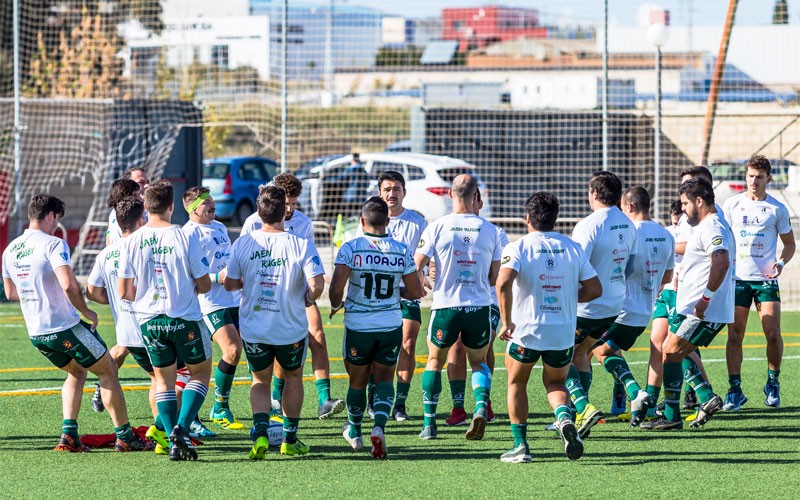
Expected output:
(276, 405)
(519, 455)
(378, 440)
(357, 443)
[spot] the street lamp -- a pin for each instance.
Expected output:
(658, 36)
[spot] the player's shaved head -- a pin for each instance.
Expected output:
(375, 212)
(464, 187)
(271, 204)
(638, 198)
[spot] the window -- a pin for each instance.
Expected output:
(380, 167)
(252, 171)
(414, 173)
(458, 24)
(219, 56)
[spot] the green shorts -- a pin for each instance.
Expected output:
(170, 339)
(261, 356)
(555, 359)
(221, 317)
(494, 317)
(473, 323)
(696, 331)
(594, 328)
(748, 292)
(362, 348)
(80, 343)
(622, 337)
(410, 309)
(142, 359)
(665, 305)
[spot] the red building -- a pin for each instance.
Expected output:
(477, 27)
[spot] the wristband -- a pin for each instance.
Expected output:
(707, 294)
(780, 263)
(215, 278)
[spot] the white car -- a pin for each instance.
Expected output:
(428, 179)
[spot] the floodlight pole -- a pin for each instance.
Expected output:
(17, 125)
(284, 89)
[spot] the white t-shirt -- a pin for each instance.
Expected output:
(406, 228)
(299, 225)
(608, 237)
(545, 305)
(217, 248)
(674, 230)
(377, 264)
(30, 262)
(503, 242)
(707, 237)
(104, 275)
(655, 254)
(464, 247)
(756, 226)
(165, 262)
(275, 268)
(113, 233)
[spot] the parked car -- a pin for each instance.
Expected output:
(428, 180)
(729, 177)
(304, 169)
(233, 182)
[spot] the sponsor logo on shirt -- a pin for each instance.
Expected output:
(744, 234)
(505, 260)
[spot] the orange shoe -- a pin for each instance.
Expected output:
(71, 444)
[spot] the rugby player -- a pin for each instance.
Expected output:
(542, 278)
(467, 251)
(704, 305)
(300, 225)
(379, 270)
(757, 220)
(608, 237)
(37, 272)
(276, 271)
(220, 307)
(161, 267)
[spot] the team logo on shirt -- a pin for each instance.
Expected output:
(717, 241)
(550, 263)
(316, 260)
(467, 240)
(421, 243)
(505, 260)
(621, 237)
(64, 255)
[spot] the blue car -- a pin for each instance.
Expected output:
(233, 182)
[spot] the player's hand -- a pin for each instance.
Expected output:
(700, 309)
(777, 269)
(334, 310)
(91, 316)
(506, 331)
(426, 283)
(308, 298)
(221, 276)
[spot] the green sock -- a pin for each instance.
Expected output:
(772, 376)
(260, 425)
(576, 392)
(618, 367)
(323, 390)
(457, 390)
(356, 405)
(290, 429)
(654, 391)
(673, 379)
(520, 434)
(563, 412)
(431, 388)
(223, 380)
(695, 379)
(194, 394)
(69, 426)
(586, 381)
(401, 394)
(277, 388)
(167, 404)
(735, 381)
(124, 432)
(384, 398)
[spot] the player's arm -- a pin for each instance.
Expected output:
(341, 275)
(413, 287)
(680, 247)
(202, 284)
(720, 262)
(789, 247)
(126, 288)
(10, 289)
(232, 285)
(667, 277)
(494, 270)
(316, 285)
(72, 290)
(97, 294)
(505, 296)
(590, 289)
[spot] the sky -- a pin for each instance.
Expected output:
(621, 12)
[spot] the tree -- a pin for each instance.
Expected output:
(780, 13)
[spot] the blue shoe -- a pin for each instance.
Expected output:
(773, 393)
(734, 400)
(619, 404)
(198, 430)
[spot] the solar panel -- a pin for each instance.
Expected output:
(439, 52)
